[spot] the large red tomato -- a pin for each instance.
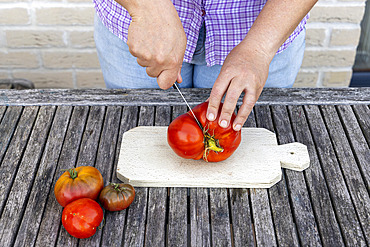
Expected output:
(116, 197)
(79, 182)
(81, 217)
(212, 144)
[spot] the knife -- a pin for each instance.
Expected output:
(196, 119)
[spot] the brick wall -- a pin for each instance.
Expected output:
(50, 42)
(333, 33)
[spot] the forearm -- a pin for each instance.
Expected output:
(275, 23)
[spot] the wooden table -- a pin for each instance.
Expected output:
(44, 131)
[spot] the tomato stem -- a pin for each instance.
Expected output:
(212, 144)
(116, 187)
(72, 172)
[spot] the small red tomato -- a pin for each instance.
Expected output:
(76, 183)
(81, 217)
(212, 144)
(116, 197)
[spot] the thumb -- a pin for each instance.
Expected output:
(179, 78)
(167, 78)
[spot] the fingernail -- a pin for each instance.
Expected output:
(237, 127)
(223, 124)
(211, 117)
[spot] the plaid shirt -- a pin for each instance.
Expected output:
(227, 23)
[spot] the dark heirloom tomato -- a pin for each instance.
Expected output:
(212, 144)
(116, 197)
(82, 217)
(79, 182)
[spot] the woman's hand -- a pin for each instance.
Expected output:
(156, 38)
(244, 70)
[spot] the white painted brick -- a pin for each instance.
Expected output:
(345, 36)
(83, 16)
(90, 79)
(70, 59)
(314, 58)
(82, 39)
(335, 13)
(4, 74)
(35, 38)
(47, 78)
(306, 79)
(337, 78)
(315, 36)
(14, 16)
(19, 59)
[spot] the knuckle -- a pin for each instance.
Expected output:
(249, 103)
(216, 93)
(160, 59)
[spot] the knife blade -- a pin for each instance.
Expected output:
(186, 102)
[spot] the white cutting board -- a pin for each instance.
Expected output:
(146, 160)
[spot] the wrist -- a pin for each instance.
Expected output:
(256, 50)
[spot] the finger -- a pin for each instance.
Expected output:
(167, 78)
(236, 87)
(179, 77)
(142, 62)
(218, 90)
(153, 71)
(249, 100)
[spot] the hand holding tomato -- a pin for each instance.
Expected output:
(82, 217)
(79, 182)
(116, 197)
(212, 144)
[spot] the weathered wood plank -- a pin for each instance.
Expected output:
(263, 224)
(86, 157)
(269, 96)
(51, 220)
(115, 221)
(17, 200)
(279, 201)
(91, 137)
(260, 206)
(357, 141)
(155, 233)
(2, 110)
(346, 214)
(178, 216)
(105, 157)
(7, 127)
(303, 213)
(362, 113)
(241, 215)
(351, 172)
(220, 219)
(322, 206)
(137, 212)
(199, 218)
(243, 229)
(43, 181)
(13, 155)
